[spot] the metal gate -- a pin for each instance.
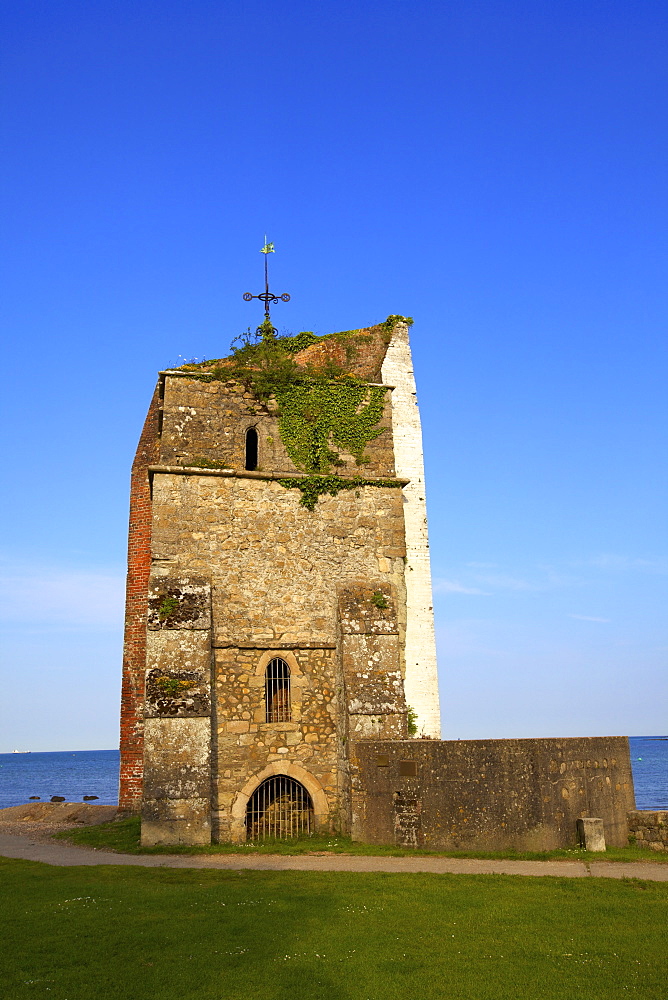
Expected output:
(279, 807)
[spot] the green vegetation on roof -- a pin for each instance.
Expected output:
(291, 343)
(323, 409)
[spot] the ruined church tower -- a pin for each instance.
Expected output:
(279, 606)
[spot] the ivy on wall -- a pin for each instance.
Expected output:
(317, 415)
(322, 410)
(313, 487)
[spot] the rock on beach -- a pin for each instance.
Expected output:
(41, 819)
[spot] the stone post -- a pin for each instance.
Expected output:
(590, 834)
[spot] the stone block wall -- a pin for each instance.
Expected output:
(209, 420)
(277, 572)
(248, 748)
(275, 567)
(372, 661)
(176, 801)
(489, 794)
(228, 569)
(649, 828)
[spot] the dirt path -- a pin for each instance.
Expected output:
(12, 846)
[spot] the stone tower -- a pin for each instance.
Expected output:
(279, 596)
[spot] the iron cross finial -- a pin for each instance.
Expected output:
(266, 296)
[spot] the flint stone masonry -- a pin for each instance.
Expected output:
(649, 828)
(490, 794)
(273, 565)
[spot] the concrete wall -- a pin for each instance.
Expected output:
(650, 828)
(489, 794)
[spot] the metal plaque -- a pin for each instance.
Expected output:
(408, 768)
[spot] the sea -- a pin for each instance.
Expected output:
(75, 773)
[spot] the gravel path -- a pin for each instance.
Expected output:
(30, 849)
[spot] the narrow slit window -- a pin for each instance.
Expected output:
(277, 690)
(251, 449)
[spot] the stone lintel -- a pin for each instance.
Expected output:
(277, 644)
(194, 470)
(195, 375)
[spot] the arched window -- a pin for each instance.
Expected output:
(277, 690)
(251, 449)
(279, 807)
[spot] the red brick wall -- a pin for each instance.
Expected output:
(136, 601)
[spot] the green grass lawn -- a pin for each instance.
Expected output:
(123, 933)
(123, 835)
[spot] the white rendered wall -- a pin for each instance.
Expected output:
(421, 683)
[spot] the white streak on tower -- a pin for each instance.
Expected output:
(421, 682)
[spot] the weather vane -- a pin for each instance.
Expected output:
(266, 296)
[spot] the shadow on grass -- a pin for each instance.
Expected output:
(124, 836)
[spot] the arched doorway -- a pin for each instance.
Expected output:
(279, 807)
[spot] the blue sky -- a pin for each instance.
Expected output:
(495, 170)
